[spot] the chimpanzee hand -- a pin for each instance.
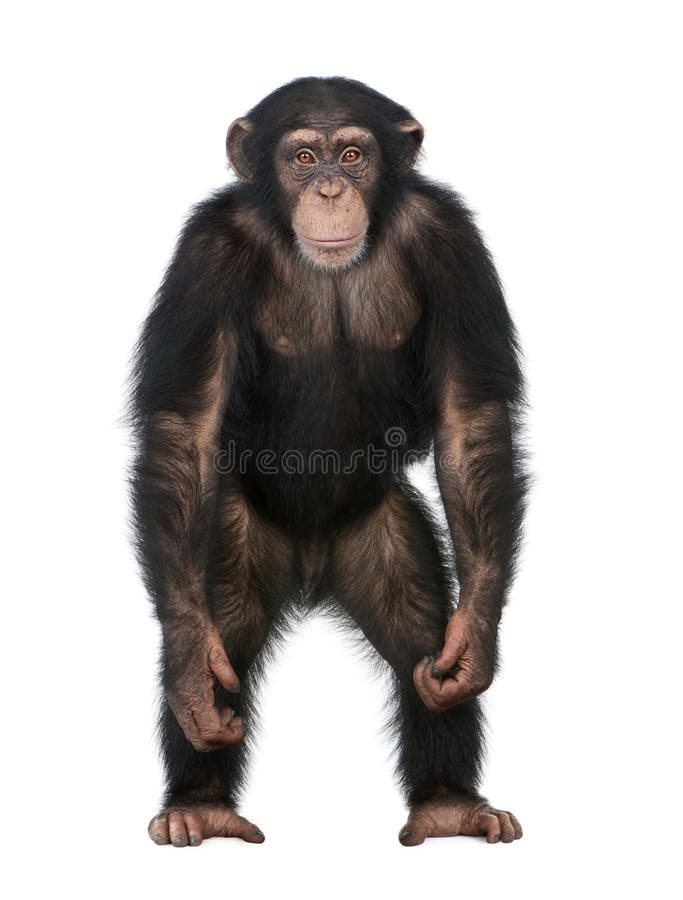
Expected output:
(195, 659)
(465, 665)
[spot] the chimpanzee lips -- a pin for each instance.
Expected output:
(334, 243)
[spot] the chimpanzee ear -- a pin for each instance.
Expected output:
(238, 131)
(416, 133)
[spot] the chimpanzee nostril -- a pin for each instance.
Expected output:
(330, 188)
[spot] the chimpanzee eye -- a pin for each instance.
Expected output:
(305, 157)
(351, 155)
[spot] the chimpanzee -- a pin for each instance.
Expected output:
(324, 322)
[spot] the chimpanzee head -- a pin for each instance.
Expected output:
(326, 157)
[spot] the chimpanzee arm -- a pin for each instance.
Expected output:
(175, 480)
(184, 366)
(476, 474)
(478, 396)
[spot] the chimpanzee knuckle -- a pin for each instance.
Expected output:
(474, 816)
(208, 734)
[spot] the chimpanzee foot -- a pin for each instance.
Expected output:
(466, 815)
(183, 825)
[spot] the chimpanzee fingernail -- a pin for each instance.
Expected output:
(406, 835)
(259, 833)
(235, 687)
(436, 672)
(194, 840)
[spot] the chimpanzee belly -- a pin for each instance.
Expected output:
(318, 440)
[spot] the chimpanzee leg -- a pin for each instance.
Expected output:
(387, 571)
(251, 573)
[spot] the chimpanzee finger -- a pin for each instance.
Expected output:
(210, 727)
(418, 679)
(426, 685)
(441, 693)
(222, 668)
(177, 830)
(236, 726)
(193, 828)
(234, 723)
(213, 731)
(454, 690)
(226, 715)
(516, 825)
(507, 832)
(490, 826)
(158, 829)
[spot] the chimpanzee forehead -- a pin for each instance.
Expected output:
(324, 133)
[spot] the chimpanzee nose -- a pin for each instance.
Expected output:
(331, 188)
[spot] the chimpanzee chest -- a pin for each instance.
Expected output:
(335, 400)
(336, 368)
(364, 312)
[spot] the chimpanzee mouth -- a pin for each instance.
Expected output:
(334, 243)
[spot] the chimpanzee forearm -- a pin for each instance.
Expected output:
(173, 503)
(482, 493)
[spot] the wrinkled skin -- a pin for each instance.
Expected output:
(328, 175)
(197, 660)
(466, 816)
(188, 827)
(465, 665)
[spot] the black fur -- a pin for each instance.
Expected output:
(201, 552)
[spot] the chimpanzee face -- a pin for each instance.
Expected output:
(322, 176)
(328, 175)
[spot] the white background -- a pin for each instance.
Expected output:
(560, 124)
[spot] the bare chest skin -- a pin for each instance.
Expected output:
(306, 311)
